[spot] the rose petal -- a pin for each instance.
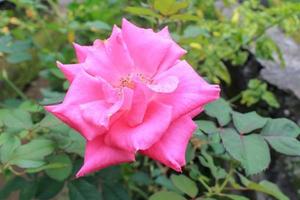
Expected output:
(81, 52)
(175, 52)
(191, 92)
(97, 112)
(140, 100)
(70, 70)
(155, 123)
(99, 65)
(102, 113)
(117, 52)
(98, 156)
(84, 89)
(170, 149)
(165, 33)
(71, 115)
(110, 57)
(167, 84)
(196, 111)
(146, 48)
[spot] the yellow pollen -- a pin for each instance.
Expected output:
(128, 82)
(144, 79)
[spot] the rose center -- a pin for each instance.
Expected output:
(130, 79)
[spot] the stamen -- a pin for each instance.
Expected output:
(128, 82)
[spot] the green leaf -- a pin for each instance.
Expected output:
(51, 122)
(28, 191)
(51, 97)
(265, 47)
(169, 7)
(248, 122)
(115, 191)
(56, 72)
(207, 161)
(20, 46)
(82, 190)
(207, 126)
(66, 138)
(18, 57)
(270, 98)
(48, 188)
(235, 197)
(8, 148)
(281, 127)
(219, 109)
(166, 183)
(141, 178)
(32, 154)
(111, 174)
(218, 147)
(5, 42)
(141, 11)
(240, 58)
(194, 172)
(285, 145)
(251, 150)
(4, 137)
(222, 72)
(62, 173)
(208, 198)
(165, 195)
(189, 153)
(264, 187)
(112, 185)
(256, 91)
(97, 25)
(12, 185)
(177, 6)
(76, 143)
(30, 106)
(184, 17)
(281, 135)
(163, 6)
(44, 167)
(15, 119)
(185, 184)
(273, 190)
(194, 31)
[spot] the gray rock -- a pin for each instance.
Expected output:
(287, 78)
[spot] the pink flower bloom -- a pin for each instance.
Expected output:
(131, 93)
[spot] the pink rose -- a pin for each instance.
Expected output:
(131, 93)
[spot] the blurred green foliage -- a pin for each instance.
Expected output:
(39, 155)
